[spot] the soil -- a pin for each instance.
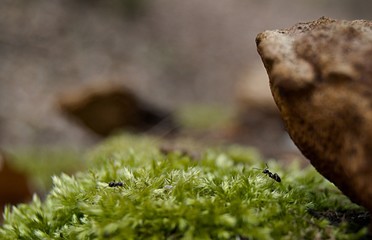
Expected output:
(356, 219)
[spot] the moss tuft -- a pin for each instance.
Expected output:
(220, 196)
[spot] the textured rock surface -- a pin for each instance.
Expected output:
(321, 79)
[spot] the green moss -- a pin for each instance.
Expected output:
(220, 196)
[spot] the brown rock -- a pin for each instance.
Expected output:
(107, 108)
(321, 79)
(14, 186)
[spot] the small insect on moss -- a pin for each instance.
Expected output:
(274, 176)
(115, 184)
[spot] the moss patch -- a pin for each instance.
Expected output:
(173, 196)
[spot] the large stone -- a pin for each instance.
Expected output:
(321, 79)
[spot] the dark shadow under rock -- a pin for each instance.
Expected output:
(356, 219)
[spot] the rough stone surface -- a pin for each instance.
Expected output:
(321, 79)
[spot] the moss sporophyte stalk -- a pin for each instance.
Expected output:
(133, 191)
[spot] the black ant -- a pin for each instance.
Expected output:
(115, 184)
(274, 176)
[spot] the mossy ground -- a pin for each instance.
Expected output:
(175, 196)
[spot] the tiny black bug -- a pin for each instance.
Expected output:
(115, 184)
(274, 176)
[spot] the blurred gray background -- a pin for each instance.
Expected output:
(170, 52)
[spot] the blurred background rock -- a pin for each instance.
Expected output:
(171, 53)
